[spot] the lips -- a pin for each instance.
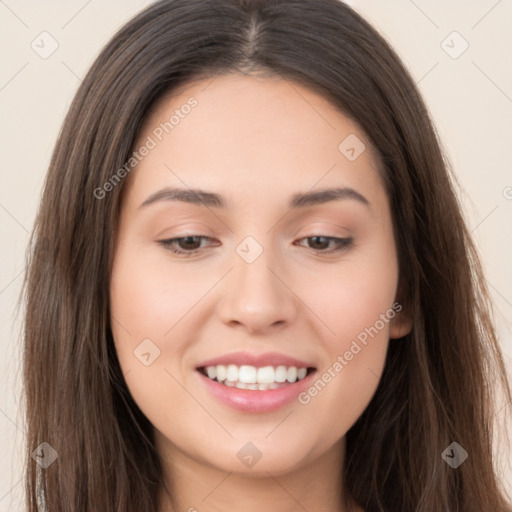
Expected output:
(255, 382)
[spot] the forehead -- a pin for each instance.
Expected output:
(244, 134)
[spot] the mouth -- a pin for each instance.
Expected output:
(255, 383)
(255, 378)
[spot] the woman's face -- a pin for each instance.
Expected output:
(277, 278)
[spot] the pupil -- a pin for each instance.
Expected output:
(315, 239)
(189, 240)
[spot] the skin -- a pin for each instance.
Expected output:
(256, 141)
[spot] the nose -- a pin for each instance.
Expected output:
(257, 296)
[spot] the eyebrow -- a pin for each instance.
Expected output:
(299, 200)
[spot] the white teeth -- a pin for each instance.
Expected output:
(291, 374)
(247, 374)
(232, 373)
(264, 387)
(266, 375)
(250, 377)
(280, 374)
(221, 372)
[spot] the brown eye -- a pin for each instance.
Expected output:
(321, 243)
(186, 245)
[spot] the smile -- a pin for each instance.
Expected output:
(253, 378)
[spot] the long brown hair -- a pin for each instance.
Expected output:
(437, 386)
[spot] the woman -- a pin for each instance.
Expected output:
(257, 370)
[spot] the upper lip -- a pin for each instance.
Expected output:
(257, 360)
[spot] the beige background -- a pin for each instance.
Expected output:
(470, 98)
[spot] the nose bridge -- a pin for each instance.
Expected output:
(256, 295)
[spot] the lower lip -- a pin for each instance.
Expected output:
(248, 400)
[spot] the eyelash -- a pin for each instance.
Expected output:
(343, 244)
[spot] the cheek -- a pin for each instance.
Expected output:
(353, 297)
(144, 306)
(145, 297)
(147, 306)
(355, 304)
